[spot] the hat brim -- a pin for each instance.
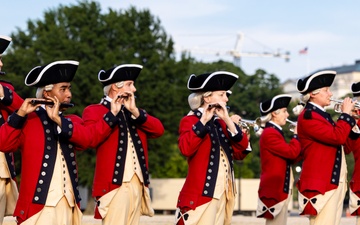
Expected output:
(277, 102)
(315, 81)
(119, 73)
(4, 43)
(53, 73)
(216, 81)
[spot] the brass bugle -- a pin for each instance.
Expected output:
(62, 105)
(338, 103)
(292, 125)
(246, 124)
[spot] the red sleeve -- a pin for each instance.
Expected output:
(275, 143)
(87, 136)
(152, 125)
(239, 142)
(11, 101)
(188, 141)
(10, 133)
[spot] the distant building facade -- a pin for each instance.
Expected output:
(346, 75)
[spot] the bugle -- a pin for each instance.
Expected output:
(246, 124)
(292, 125)
(338, 104)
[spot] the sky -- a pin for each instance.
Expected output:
(330, 30)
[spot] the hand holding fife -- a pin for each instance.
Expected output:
(27, 107)
(220, 110)
(53, 110)
(128, 100)
(208, 113)
(115, 105)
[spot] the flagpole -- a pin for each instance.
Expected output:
(307, 64)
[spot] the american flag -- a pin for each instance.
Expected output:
(303, 51)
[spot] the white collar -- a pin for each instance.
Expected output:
(275, 125)
(317, 106)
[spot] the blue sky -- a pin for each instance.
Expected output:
(330, 29)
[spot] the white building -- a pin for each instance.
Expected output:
(346, 75)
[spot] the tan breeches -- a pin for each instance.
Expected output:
(211, 213)
(61, 214)
(281, 218)
(332, 211)
(124, 208)
(2, 199)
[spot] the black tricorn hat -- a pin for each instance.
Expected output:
(216, 81)
(4, 43)
(315, 81)
(277, 102)
(119, 73)
(355, 88)
(52, 73)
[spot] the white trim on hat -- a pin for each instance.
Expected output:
(46, 68)
(312, 77)
(209, 77)
(192, 75)
(99, 73)
(116, 68)
(272, 102)
(5, 37)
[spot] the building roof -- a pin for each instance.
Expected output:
(346, 68)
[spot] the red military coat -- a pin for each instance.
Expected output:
(354, 147)
(36, 136)
(195, 143)
(321, 141)
(276, 157)
(107, 176)
(11, 102)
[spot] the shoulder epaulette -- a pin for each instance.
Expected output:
(307, 114)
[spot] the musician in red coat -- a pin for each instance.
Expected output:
(210, 141)
(47, 140)
(354, 147)
(121, 179)
(9, 102)
(322, 184)
(277, 156)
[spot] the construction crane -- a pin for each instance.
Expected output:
(237, 53)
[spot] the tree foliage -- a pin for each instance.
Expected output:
(99, 41)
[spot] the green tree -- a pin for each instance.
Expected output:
(99, 40)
